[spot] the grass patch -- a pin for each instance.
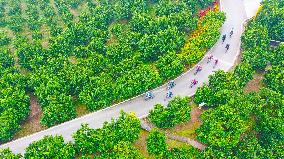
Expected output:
(188, 129)
(140, 144)
(176, 144)
(81, 110)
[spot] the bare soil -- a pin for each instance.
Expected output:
(32, 124)
(112, 39)
(188, 129)
(82, 110)
(74, 12)
(255, 84)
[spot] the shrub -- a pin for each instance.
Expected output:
(177, 111)
(50, 147)
(156, 143)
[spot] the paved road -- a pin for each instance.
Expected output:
(236, 15)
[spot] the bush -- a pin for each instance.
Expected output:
(6, 60)
(60, 109)
(4, 40)
(124, 130)
(123, 150)
(182, 153)
(169, 66)
(8, 154)
(50, 147)
(177, 112)
(274, 79)
(156, 143)
(243, 73)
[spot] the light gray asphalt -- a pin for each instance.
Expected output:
(236, 15)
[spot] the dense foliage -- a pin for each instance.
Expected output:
(247, 125)
(112, 136)
(156, 143)
(274, 78)
(202, 39)
(14, 105)
(4, 39)
(50, 147)
(6, 153)
(272, 18)
(96, 53)
(182, 153)
(114, 140)
(177, 111)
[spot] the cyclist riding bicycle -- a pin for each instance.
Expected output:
(223, 38)
(169, 94)
(198, 69)
(227, 47)
(209, 58)
(171, 84)
(231, 32)
(149, 95)
(215, 63)
(193, 83)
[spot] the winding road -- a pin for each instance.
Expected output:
(236, 15)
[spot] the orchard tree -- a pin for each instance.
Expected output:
(177, 112)
(7, 153)
(156, 143)
(274, 78)
(124, 130)
(222, 127)
(50, 147)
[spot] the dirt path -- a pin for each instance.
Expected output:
(32, 124)
(173, 133)
(255, 84)
(195, 115)
(35, 108)
(192, 142)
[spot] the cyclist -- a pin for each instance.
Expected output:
(223, 38)
(193, 83)
(169, 94)
(227, 47)
(171, 84)
(215, 63)
(198, 69)
(231, 32)
(149, 95)
(210, 57)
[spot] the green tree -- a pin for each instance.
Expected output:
(156, 143)
(274, 78)
(125, 129)
(8, 154)
(50, 147)
(177, 111)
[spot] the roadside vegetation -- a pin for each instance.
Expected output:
(89, 55)
(248, 125)
(235, 123)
